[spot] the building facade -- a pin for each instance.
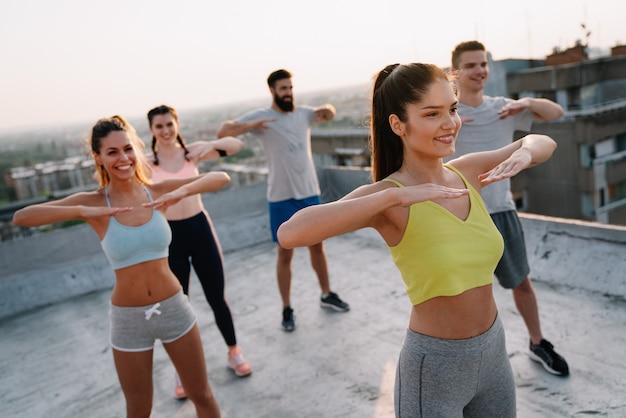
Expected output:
(586, 178)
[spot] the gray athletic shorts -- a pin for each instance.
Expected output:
(513, 267)
(455, 378)
(135, 328)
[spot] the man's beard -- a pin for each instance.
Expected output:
(285, 106)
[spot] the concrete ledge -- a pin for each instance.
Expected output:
(47, 268)
(574, 253)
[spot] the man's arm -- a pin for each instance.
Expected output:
(325, 112)
(234, 128)
(543, 109)
(205, 150)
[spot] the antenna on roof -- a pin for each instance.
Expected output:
(586, 32)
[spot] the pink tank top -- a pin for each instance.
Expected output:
(188, 169)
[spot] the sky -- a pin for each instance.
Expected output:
(75, 61)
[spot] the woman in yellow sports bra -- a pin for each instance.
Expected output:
(147, 302)
(441, 237)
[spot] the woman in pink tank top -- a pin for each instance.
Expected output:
(194, 241)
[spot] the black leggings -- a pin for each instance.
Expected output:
(194, 243)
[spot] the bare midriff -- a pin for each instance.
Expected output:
(185, 209)
(144, 284)
(455, 317)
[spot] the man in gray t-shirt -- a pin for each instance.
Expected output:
(284, 130)
(489, 123)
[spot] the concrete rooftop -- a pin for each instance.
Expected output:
(55, 361)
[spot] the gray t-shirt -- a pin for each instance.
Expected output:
(287, 145)
(487, 132)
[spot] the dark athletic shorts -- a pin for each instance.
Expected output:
(513, 267)
(283, 210)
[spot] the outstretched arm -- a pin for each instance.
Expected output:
(364, 207)
(206, 150)
(234, 128)
(505, 162)
(74, 207)
(543, 109)
(176, 189)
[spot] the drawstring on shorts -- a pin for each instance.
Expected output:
(153, 310)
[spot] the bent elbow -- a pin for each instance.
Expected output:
(553, 143)
(17, 219)
(226, 177)
(20, 219)
(222, 131)
(285, 239)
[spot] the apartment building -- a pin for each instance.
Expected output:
(586, 178)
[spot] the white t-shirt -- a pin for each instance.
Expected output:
(487, 132)
(287, 145)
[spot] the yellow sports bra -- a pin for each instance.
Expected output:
(442, 255)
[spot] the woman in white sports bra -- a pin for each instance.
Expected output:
(453, 362)
(147, 302)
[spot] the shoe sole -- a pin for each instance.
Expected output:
(289, 329)
(550, 370)
(231, 367)
(333, 307)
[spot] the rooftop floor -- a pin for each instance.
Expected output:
(56, 361)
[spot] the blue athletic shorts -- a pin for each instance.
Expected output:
(135, 328)
(283, 210)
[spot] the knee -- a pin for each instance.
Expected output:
(525, 286)
(204, 400)
(284, 255)
(317, 249)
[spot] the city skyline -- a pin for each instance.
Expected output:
(71, 62)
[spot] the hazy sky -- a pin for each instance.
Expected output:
(67, 61)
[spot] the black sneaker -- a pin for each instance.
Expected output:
(550, 360)
(289, 321)
(332, 301)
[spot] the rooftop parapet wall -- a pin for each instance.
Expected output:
(586, 255)
(48, 268)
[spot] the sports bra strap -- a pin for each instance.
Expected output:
(106, 194)
(396, 182)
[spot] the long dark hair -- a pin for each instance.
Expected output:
(395, 87)
(164, 110)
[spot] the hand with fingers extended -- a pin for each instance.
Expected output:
(166, 200)
(518, 161)
(99, 211)
(429, 191)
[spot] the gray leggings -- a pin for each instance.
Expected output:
(455, 378)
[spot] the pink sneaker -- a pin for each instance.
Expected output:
(237, 363)
(179, 390)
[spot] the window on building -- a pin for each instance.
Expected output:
(521, 201)
(573, 98)
(587, 205)
(587, 154)
(620, 142)
(550, 95)
(604, 147)
(617, 191)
